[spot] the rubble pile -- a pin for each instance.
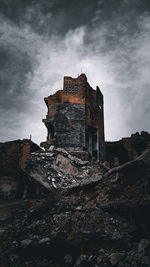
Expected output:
(98, 216)
(57, 169)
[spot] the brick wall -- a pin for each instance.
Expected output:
(13, 157)
(72, 112)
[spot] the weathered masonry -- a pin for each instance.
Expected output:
(13, 160)
(75, 118)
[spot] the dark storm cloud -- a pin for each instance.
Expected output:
(126, 38)
(16, 63)
(19, 20)
(55, 16)
(41, 41)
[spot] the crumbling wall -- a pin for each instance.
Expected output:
(95, 123)
(126, 149)
(75, 119)
(70, 126)
(13, 158)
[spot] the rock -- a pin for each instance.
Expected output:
(102, 251)
(44, 240)
(67, 170)
(14, 257)
(115, 258)
(15, 243)
(51, 148)
(64, 165)
(81, 259)
(144, 243)
(79, 208)
(93, 220)
(26, 242)
(68, 258)
(99, 259)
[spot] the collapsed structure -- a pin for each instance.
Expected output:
(75, 119)
(13, 159)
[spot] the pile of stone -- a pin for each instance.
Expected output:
(57, 169)
(101, 219)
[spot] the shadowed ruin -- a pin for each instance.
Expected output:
(13, 159)
(59, 207)
(75, 118)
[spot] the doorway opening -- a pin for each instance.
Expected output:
(92, 142)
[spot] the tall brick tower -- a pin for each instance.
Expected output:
(75, 118)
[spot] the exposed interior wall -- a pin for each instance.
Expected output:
(69, 126)
(95, 121)
(92, 141)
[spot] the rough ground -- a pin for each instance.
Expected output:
(92, 217)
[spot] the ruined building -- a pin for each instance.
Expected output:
(13, 159)
(126, 149)
(75, 118)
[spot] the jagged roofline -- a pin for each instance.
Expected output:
(73, 79)
(67, 77)
(82, 74)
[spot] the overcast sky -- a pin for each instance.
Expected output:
(42, 41)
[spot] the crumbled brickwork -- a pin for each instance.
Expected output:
(13, 158)
(126, 149)
(75, 119)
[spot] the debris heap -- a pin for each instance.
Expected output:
(97, 217)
